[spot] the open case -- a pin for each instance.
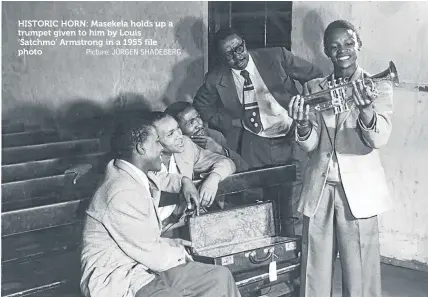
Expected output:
(244, 240)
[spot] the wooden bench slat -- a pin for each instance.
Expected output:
(59, 185)
(34, 202)
(12, 128)
(41, 217)
(49, 167)
(40, 272)
(49, 150)
(69, 289)
(29, 138)
(21, 247)
(22, 190)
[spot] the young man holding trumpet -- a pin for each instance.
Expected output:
(344, 185)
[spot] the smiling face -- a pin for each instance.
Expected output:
(170, 134)
(342, 48)
(152, 148)
(191, 122)
(234, 52)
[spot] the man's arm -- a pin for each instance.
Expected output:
(209, 105)
(377, 134)
(209, 162)
(167, 182)
(127, 219)
(298, 68)
(176, 183)
(217, 143)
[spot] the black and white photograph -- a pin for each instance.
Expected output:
(214, 149)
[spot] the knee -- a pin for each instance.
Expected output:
(222, 274)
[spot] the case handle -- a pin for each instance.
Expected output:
(254, 260)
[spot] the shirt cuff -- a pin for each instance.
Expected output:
(303, 137)
(372, 126)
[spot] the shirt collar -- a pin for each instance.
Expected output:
(250, 67)
(172, 164)
(136, 172)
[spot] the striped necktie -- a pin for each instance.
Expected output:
(252, 119)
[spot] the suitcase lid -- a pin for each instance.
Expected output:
(232, 226)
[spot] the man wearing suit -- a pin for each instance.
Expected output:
(344, 185)
(123, 254)
(256, 124)
(181, 156)
(192, 125)
(246, 98)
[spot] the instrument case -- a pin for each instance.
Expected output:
(244, 240)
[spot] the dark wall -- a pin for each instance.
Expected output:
(66, 84)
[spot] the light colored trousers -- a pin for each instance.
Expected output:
(192, 280)
(331, 230)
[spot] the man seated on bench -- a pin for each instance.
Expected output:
(182, 156)
(123, 253)
(192, 125)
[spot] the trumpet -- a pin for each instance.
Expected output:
(339, 93)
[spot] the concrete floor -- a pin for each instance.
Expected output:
(396, 282)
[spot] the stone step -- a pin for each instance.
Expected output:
(29, 138)
(49, 167)
(49, 151)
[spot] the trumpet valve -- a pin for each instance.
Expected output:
(340, 81)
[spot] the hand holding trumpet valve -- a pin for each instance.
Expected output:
(300, 113)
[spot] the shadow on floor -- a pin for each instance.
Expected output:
(396, 282)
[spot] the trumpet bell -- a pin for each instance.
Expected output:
(389, 74)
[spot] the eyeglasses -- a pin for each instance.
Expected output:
(237, 50)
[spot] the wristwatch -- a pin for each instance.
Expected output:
(226, 152)
(302, 126)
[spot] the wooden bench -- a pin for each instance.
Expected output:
(41, 245)
(29, 138)
(44, 151)
(50, 167)
(12, 128)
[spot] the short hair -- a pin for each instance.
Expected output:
(155, 116)
(128, 132)
(340, 24)
(176, 108)
(223, 33)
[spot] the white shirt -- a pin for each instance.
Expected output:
(274, 117)
(166, 211)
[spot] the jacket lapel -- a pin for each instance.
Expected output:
(153, 186)
(227, 89)
(328, 116)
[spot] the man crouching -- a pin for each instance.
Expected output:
(123, 254)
